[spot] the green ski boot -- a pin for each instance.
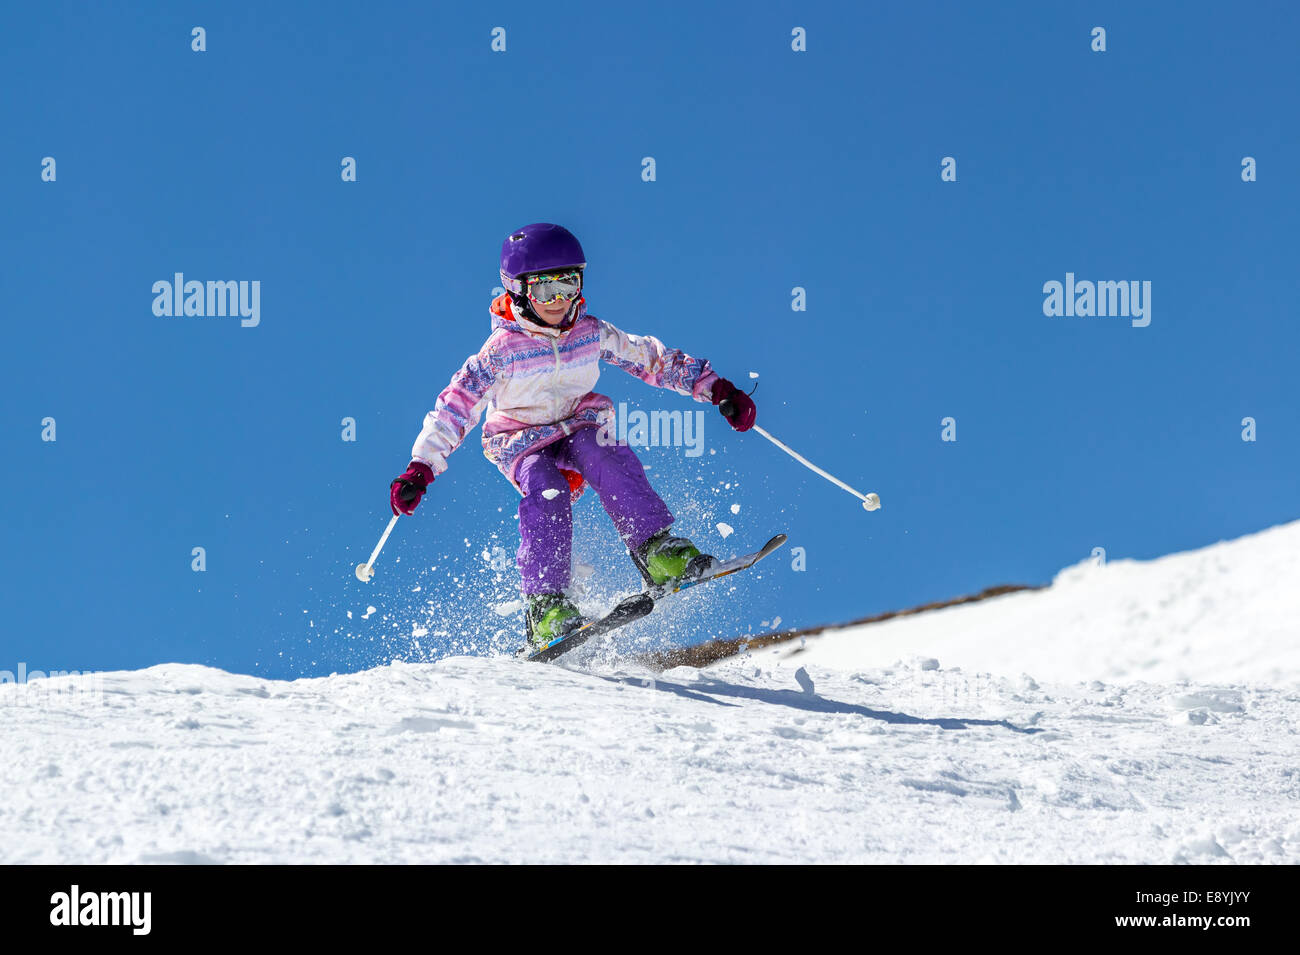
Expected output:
(666, 558)
(549, 617)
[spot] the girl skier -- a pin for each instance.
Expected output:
(548, 432)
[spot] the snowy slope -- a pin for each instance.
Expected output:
(476, 759)
(1053, 727)
(1225, 613)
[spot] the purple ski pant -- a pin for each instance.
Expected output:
(546, 526)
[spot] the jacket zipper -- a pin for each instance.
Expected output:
(555, 401)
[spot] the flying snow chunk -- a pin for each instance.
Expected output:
(804, 680)
(725, 529)
(508, 607)
(369, 611)
(550, 493)
(735, 508)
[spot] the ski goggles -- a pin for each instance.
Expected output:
(549, 287)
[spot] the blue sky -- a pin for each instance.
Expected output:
(775, 169)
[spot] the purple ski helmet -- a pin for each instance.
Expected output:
(540, 247)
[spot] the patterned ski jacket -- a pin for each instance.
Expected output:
(535, 383)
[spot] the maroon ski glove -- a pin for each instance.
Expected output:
(736, 406)
(405, 492)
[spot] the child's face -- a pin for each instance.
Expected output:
(565, 284)
(554, 313)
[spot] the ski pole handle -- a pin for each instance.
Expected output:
(870, 502)
(366, 571)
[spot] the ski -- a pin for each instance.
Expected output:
(629, 609)
(640, 605)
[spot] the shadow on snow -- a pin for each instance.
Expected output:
(708, 690)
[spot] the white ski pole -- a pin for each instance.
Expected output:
(365, 571)
(870, 502)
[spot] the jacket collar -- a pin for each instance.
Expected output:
(506, 314)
